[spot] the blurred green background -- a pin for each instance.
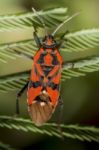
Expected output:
(80, 95)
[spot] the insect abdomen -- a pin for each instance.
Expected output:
(41, 109)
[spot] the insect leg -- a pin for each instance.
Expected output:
(36, 38)
(60, 43)
(60, 110)
(60, 116)
(18, 96)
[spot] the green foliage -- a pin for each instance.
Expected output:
(73, 42)
(73, 69)
(25, 20)
(82, 133)
(5, 147)
(80, 67)
(82, 40)
(77, 41)
(13, 50)
(13, 81)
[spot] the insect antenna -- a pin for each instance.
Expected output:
(41, 20)
(65, 21)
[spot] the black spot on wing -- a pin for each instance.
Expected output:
(54, 86)
(46, 69)
(34, 84)
(55, 61)
(41, 59)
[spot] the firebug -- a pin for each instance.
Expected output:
(43, 88)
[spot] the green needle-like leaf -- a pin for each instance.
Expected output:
(78, 41)
(82, 40)
(13, 81)
(4, 146)
(82, 133)
(51, 18)
(80, 67)
(13, 50)
(72, 69)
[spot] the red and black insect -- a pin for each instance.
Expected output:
(43, 88)
(43, 92)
